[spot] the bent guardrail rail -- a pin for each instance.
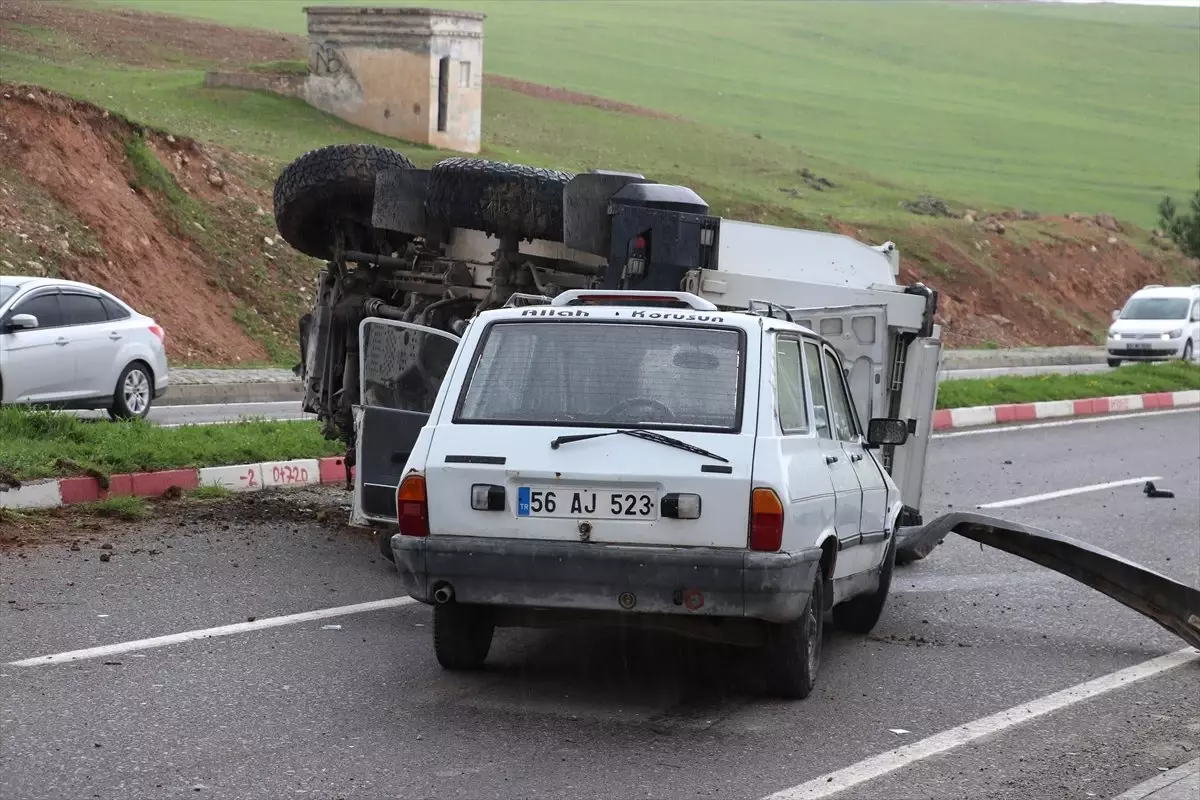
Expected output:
(1173, 605)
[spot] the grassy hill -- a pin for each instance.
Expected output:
(1045, 280)
(1049, 107)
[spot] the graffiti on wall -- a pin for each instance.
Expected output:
(326, 60)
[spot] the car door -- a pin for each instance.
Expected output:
(37, 363)
(95, 343)
(1194, 329)
(847, 492)
(848, 431)
(809, 487)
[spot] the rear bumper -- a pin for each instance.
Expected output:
(538, 574)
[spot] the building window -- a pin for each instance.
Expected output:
(464, 74)
(443, 92)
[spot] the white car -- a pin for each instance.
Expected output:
(1158, 323)
(70, 345)
(606, 459)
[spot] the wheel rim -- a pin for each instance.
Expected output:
(136, 391)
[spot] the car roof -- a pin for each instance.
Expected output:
(1168, 291)
(32, 282)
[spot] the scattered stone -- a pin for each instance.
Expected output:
(216, 178)
(969, 218)
(1075, 216)
(993, 225)
(105, 557)
(106, 546)
(1109, 223)
(268, 241)
(1112, 240)
(1000, 320)
(928, 206)
(170, 139)
(814, 181)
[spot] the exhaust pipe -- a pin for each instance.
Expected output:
(443, 594)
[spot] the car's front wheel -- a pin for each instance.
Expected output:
(793, 650)
(1187, 351)
(134, 393)
(1114, 362)
(861, 614)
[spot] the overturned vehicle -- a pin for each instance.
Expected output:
(413, 255)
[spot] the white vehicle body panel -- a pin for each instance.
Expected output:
(1157, 339)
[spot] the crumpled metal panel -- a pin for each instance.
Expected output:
(1173, 605)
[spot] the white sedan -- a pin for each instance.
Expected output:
(74, 346)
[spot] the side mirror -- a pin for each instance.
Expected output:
(887, 431)
(21, 322)
(1116, 314)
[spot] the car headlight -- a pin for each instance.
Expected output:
(1114, 335)
(1172, 334)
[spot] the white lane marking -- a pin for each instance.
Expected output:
(892, 760)
(1061, 423)
(208, 633)
(1095, 487)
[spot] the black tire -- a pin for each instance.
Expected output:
(462, 636)
(1187, 351)
(498, 198)
(331, 188)
(793, 649)
(134, 393)
(1114, 362)
(385, 545)
(861, 614)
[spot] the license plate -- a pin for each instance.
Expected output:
(533, 501)
(1139, 345)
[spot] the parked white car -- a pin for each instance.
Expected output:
(1158, 323)
(70, 345)
(678, 468)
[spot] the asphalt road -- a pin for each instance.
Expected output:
(363, 710)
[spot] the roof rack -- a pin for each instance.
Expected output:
(624, 297)
(518, 300)
(768, 309)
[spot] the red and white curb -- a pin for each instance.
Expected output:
(238, 478)
(980, 416)
(312, 471)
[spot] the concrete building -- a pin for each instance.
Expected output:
(412, 73)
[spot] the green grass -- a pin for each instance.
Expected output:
(738, 174)
(129, 509)
(211, 492)
(42, 444)
(1174, 376)
(1055, 108)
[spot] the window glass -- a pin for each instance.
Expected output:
(6, 292)
(817, 389)
(114, 310)
(606, 374)
(843, 423)
(789, 387)
(44, 307)
(81, 309)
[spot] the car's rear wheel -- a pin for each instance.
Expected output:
(793, 650)
(134, 393)
(861, 614)
(1114, 362)
(462, 636)
(385, 545)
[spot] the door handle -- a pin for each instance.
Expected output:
(114, 336)
(830, 459)
(62, 341)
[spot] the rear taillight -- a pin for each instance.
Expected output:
(766, 521)
(159, 332)
(412, 510)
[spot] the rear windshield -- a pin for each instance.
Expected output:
(593, 374)
(1156, 308)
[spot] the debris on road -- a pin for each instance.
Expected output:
(1152, 491)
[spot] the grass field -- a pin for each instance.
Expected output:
(1055, 108)
(43, 444)
(1174, 376)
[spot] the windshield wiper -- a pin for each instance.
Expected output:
(649, 436)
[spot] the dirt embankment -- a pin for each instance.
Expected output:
(160, 221)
